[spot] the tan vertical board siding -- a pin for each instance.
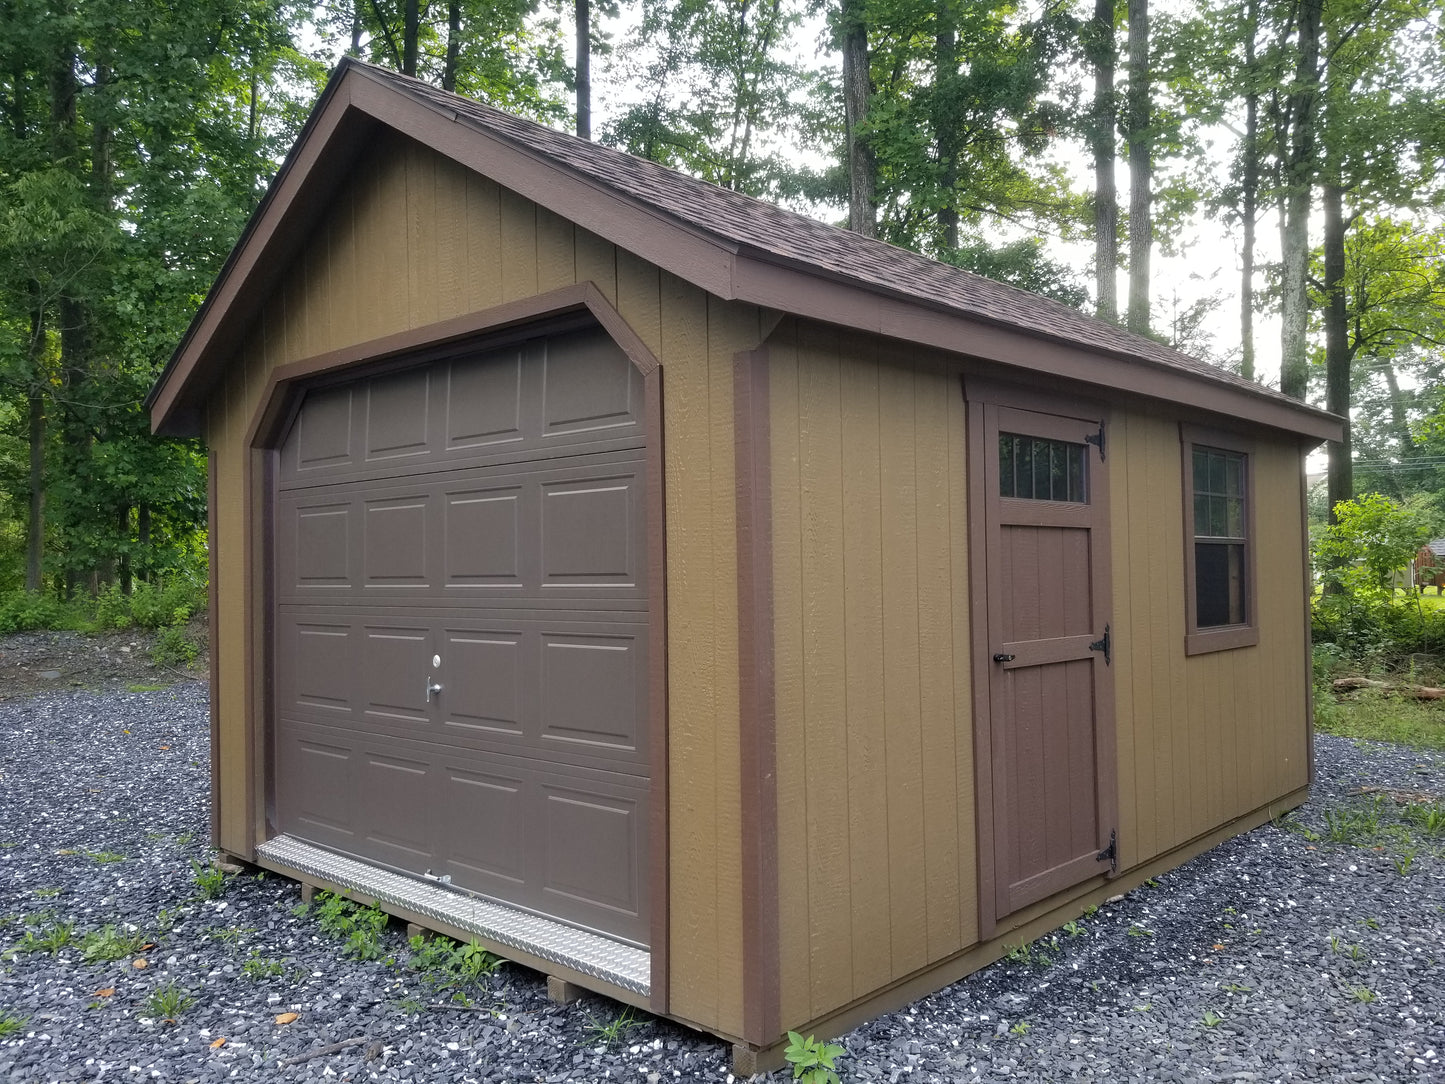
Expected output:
(1122, 628)
(942, 715)
(870, 629)
(902, 709)
(789, 706)
(963, 692)
(1203, 739)
(867, 775)
(414, 239)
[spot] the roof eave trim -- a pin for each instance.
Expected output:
(775, 284)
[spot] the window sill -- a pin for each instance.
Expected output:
(1221, 639)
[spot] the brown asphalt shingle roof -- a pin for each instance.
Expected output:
(763, 230)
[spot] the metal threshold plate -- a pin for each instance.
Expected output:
(582, 951)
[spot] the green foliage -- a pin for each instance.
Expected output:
(1211, 1019)
(360, 927)
(443, 962)
(1372, 538)
(614, 1030)
(110, 943)
(1378, 715)
(11, 1023)
(174, 648)
(258, 968)
(210, 880)
(24, 610)
(168, 1001)
(813, 1061)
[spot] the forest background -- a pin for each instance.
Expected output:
(137, 136)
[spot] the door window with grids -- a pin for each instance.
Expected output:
(1219, 544)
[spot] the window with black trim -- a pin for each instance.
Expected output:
(1218, 541)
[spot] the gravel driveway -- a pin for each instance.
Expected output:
(1279, 956)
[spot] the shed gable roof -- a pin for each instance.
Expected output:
(732, 245)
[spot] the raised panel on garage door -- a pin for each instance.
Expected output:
(461, 627)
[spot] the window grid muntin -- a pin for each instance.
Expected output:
(1221, 587)
(1042, 469)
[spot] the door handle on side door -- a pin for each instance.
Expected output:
(433, 688)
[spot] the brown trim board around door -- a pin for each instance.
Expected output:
(757, 720)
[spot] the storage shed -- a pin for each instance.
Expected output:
(736, 616)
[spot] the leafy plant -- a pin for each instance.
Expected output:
(813, 1062)
(360, 927)
(45, 893)
(109, 943)
(168, 1001)
(1362, 994)
(210, 880)
(51, 935)
(11, 1023)
(1021, 1028)
(1236, 988)
(1211, 1019)
(104, 858)
(258, 968)
(174, 648)
(615, 1029)
(1430, 819)
(1403, 862)
(1139, 931)
(1074, 928)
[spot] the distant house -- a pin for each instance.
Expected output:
(745, 619)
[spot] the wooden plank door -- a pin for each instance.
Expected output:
(1050, 725)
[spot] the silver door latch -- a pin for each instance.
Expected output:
(433, 688)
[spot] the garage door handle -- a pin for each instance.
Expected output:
(433, 688)
(1003, 658)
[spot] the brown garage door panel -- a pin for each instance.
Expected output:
(566, 533)
(567, 843)
(564, 685)
(565, 395)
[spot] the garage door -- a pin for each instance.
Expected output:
(461, 627)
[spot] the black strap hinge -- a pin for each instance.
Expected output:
(1097, 440)
(1110, 853)
(1102, 645)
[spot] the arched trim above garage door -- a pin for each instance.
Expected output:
(562, 310)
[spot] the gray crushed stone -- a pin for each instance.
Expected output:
(1278, 956)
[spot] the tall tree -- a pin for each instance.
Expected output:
(1102, 51)
(1296, 146)
(583, 18)
(857, 101)
(1141, 167)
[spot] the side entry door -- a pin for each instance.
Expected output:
(1049, 734)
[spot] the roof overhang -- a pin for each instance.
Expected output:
(357, 102)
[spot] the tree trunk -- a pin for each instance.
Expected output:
(945, 131)
(584, 69)
(454, 45)
(1399, 414)
(143, 539)
(122, 526)
(1105, 126)
(1299, 178)
(1249, 192)
(857, 93)
(1141, 227)
(35, 527)
(355, 49)
(1341, 485)
(410, 34)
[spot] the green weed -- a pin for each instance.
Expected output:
(1236, 988)
(104, 858)
(109, 943)
(1211, 1019)
(11, 1023)
(614, 1030)
(813, 1062)
(1074, 928)
(1021, 1028)
(168, 1001)
(360, 927)
(258, 968)
(1362, 994)
(174, 648)
(210, 880)
(144, 688)
(1403, 861)
(1375, 715)
(1354, 824)
(45, 893)
(1140, 931)
(1430, 819)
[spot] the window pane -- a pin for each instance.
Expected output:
(1201, 514)
(1218, 517)
(1216, 473)
(1219, 584)
(1201, 471)
(1235, 526)
(1235, 479)
(1034, 468)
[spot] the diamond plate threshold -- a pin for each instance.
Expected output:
(582, 951)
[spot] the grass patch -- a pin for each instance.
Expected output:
(1375, 715)
(12, 1023)
(145, 688)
